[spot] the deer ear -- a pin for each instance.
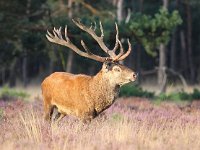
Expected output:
(107, 66)
(104, 67)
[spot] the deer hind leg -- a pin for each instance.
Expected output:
(58, 115)
(48, 111)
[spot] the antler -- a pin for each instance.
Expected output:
(123, 56)
(57, 38)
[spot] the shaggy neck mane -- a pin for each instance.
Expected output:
(105, 91)
(102, 82)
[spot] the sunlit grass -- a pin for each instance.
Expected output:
(31, 125)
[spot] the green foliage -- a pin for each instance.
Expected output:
(179, 96)
(196, 94)
(12, 94)
(173, 96)
(154, 30)
(134, 90)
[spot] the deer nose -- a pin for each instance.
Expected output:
(135, 75)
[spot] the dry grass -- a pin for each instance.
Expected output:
(126, 125)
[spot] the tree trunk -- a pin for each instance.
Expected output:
(189, 42)
(12, 78)
(51, 66)
(119, 5)
(70, 54)
(162, 60)
(141, 5)
(173, 60)
(24, 59)
(120, 10)
(173, 51)
(139, 48)
(184, 60)
(24, 69)
(3, 75)
(69, 61)
(165, 4)
(69, 6)
(138, 59)
(162, 63)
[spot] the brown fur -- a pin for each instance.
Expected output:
(81, 95)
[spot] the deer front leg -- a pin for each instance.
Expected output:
(87, 117)
(48, 109)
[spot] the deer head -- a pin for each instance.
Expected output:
(116, 73)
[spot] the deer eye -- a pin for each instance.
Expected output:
(109, 64)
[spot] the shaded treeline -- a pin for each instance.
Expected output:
(164, 36)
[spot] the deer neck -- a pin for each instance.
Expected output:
(104, 83)
(105, 91)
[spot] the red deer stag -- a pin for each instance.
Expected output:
(82, 95)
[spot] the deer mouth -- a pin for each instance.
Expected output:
(128, 80)
(131, 80)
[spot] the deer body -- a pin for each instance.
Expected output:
(81, 95)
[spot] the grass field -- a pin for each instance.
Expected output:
(131, 123)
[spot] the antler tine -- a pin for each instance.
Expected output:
(121, 51)
(55, 32)
(95, 26)
(58, 32)
(49, 34)
(91, 25)
(117, 38)
(85, 47)
(127, 53)
(101, 28)
(51, 37)
(66, 37)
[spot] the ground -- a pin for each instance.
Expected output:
(131, 123)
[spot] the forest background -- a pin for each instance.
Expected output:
(164, 36)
